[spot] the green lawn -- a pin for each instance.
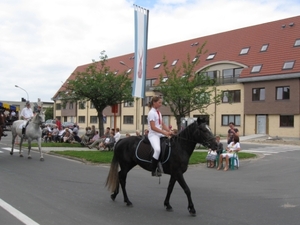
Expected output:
(106, 156)
(53, 144)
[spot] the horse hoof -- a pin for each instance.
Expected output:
(169, 208)
(29, 157)
(129, 203)
(42, 159)
(11, 153)
(192, 212)
(21, 155)
(113, 197)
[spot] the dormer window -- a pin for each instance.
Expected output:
(195, 59)
(297, 43)
(157, 66)
(211, 56)
(264, 48)
(174, 62)
(128, 71)
(288, 65)
(164, 79)
(256, 69)
(244, 51)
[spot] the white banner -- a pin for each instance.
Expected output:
(141, 17)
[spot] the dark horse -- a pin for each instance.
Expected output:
(176, 163)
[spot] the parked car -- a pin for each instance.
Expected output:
(69, 125)
(51, 122)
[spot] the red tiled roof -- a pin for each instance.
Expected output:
(227, 46)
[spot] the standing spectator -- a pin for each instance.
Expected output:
(232, 132)
(58, 123)
(55, 133)
(137, 132)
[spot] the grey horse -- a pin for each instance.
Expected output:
(33, 132)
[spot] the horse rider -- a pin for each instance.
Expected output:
(26, 115)
(157, 129)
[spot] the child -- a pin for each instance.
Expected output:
(212, 154)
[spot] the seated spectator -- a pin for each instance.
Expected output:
(127, 135)
(212, 154)
(117, 135)
(101, 139)
(233, 147)
(68, 136)
(93, 139)
(146, 132)
(86, 137)
(55, 133)
(75, 129)
(137, 132)
(109, 142)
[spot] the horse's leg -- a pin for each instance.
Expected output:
(115, 193)
(13, 144)
(170, 190)
(187, 191)
(29, 148)
(40, 149)
(122, 179)
(21, 142)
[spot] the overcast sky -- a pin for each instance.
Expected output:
(42, 42)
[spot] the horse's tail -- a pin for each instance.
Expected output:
(112, 180)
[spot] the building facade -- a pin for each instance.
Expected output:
(257, 66)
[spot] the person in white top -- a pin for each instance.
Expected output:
(26, 115)
(231, 149)
(117, 135)
(157, 129)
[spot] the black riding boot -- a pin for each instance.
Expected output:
(155, 172)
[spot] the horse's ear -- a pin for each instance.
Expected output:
(200, 120)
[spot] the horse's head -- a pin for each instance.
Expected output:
(205, 135)
(39, 117)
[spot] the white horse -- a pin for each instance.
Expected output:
(33, 132)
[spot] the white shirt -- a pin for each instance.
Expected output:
(117, 136)
(27, 113)
(153, 116)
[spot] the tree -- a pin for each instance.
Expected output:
(49, 113)
(184, 90)
(100, 86)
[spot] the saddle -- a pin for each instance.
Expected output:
(144, 150)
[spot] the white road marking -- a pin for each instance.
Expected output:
(8, 149)
(16, 213)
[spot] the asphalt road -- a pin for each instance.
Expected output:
(60, 191)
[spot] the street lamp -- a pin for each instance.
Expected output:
(23, 90)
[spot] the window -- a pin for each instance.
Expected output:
(146, 100)
(58, 106)
(93, 119)
(258, 94)
(244, 51)
(202, 98)
(231, 75)
(226, 119)
(116, 72)
(282, 93)
(211, 56)
(150, 83)
(127, 119)
(174, 62)
(128, 71)
(288, 65)
(81, 105)
(164, 79)
(81, 119)
(92, 106)
(231, 96)
(65, 119)
(166, 120)
(71, 105)
(256, 69)
(264, 48)
(195, 59)
(128, 104)
(297, 43)
(157, 66)
(286, 121)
